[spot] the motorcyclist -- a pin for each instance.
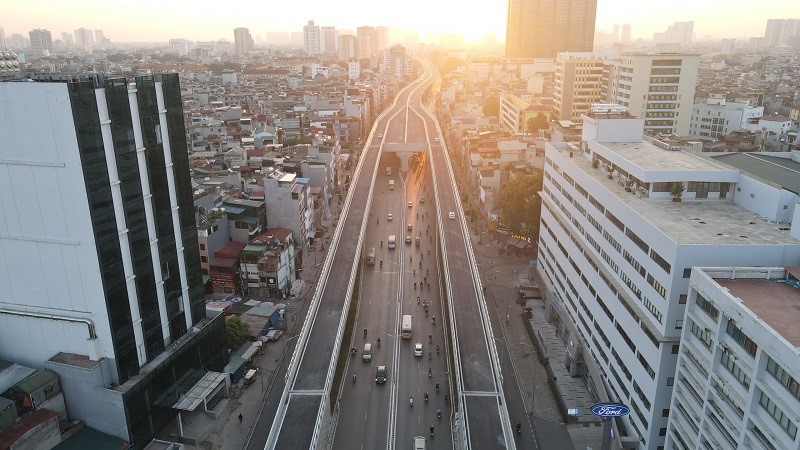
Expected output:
(379, 342)
(430, 338)
(354, 377)
(381, 244)
(381, 263)
(410, 401)
(519, 428)
(365, 332)
(437, 386)
(426, 396)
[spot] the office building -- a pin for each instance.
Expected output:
(542, 28)
(617, 248)
(658, 87)
(381, 36)
(100, 263)
(516, 112)
(716, 118)
(367, 42)
(41, 42)
(348, 47)
(179, 46)
(242, 41)
(329, 40)
(84, 39)
(312, 41)
(782, 32)
(397, 62)
(578, 85)
(738, 378)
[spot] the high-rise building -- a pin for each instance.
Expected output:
(677, 33)
(616, 251)
(657, 87)
(243, 41)
(578, 84)
(179, 46)
(67, 39)
(41, 42)
(329, 40)
(615, 34)
(738, 378)
(2, 38)
(542, 28)
(312, 41)
(100, 263)
(782, 32)
(626, 33)
(367, 42)
(348, 47)
(381, 36)
(84, 39)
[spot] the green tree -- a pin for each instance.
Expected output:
(520, 204)
(491, 107)
(236, 332)
(537, 123)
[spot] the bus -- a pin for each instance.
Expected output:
(371, 256)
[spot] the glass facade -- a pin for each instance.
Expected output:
(183, 185)
(152, 136)
(148, 404)
(101, 209)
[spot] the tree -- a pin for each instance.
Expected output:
(520, 204)
(491, 107)
(236, 332)
(537, 123)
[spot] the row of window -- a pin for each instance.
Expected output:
(783, 377)
(741, 338)
(780, 417)
(729, 362)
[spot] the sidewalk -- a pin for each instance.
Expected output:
(547, 387)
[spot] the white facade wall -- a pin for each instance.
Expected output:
(43, 221)
(719, 384)
(716, 118)
(776, 204)
(568, 236)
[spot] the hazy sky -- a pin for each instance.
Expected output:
(160, 20)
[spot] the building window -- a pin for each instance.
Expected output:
(703, 334)
(707, 307)
(741, 338)
(783, 420)
(729, 362)
(783, 377)
(660, 261)
(687, 272)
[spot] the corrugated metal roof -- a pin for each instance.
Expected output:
(781, 171)
(36, 380)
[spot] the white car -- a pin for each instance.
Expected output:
(390, 217)
(380, 136)
(410, 204)
(452, 215)
(418, 349)
(436, 140)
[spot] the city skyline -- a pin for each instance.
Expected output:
(734, 19)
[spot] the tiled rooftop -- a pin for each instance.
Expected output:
(774, 303)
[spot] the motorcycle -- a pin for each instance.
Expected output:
(411, 401)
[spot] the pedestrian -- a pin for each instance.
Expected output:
(240, 417)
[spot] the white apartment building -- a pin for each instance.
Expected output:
(348, 46)
(289, 204)
(715, 118)
(656, 87)
(578, 84)
(616, 252)
(328, 39)
(515, 112)
(312, 39)
(738, 367)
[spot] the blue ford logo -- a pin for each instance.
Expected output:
(610, 410)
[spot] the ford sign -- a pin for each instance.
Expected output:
(610, 410)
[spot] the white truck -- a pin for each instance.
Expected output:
(406, 328)
(391, 185)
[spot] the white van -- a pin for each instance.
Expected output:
(406, 329)
(366, 355)
(391, 185)
(392, 241)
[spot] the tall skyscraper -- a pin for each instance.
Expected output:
(329, 39)
(348, 47)
(626, 33)
(677, 33)
(243, 41)
(367, 42)
(382, 36)
(100, 263)
(41, 42)
(2, 38)
(781, 32)
(67, 39)
(542, 28)
(84, 39)
(312, 41)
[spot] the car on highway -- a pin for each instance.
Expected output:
(410, 227)
(452, 215)
(380, 375)
(418, 349)
(380, 136)
(408, 239)
(436, 140)
(390, 217)
(410, 204)
(422, 199)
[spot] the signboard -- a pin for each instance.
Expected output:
(610, 410)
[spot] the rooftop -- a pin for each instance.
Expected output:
(702, 222)
(773, 302)
(779, 170)
(652, 158)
